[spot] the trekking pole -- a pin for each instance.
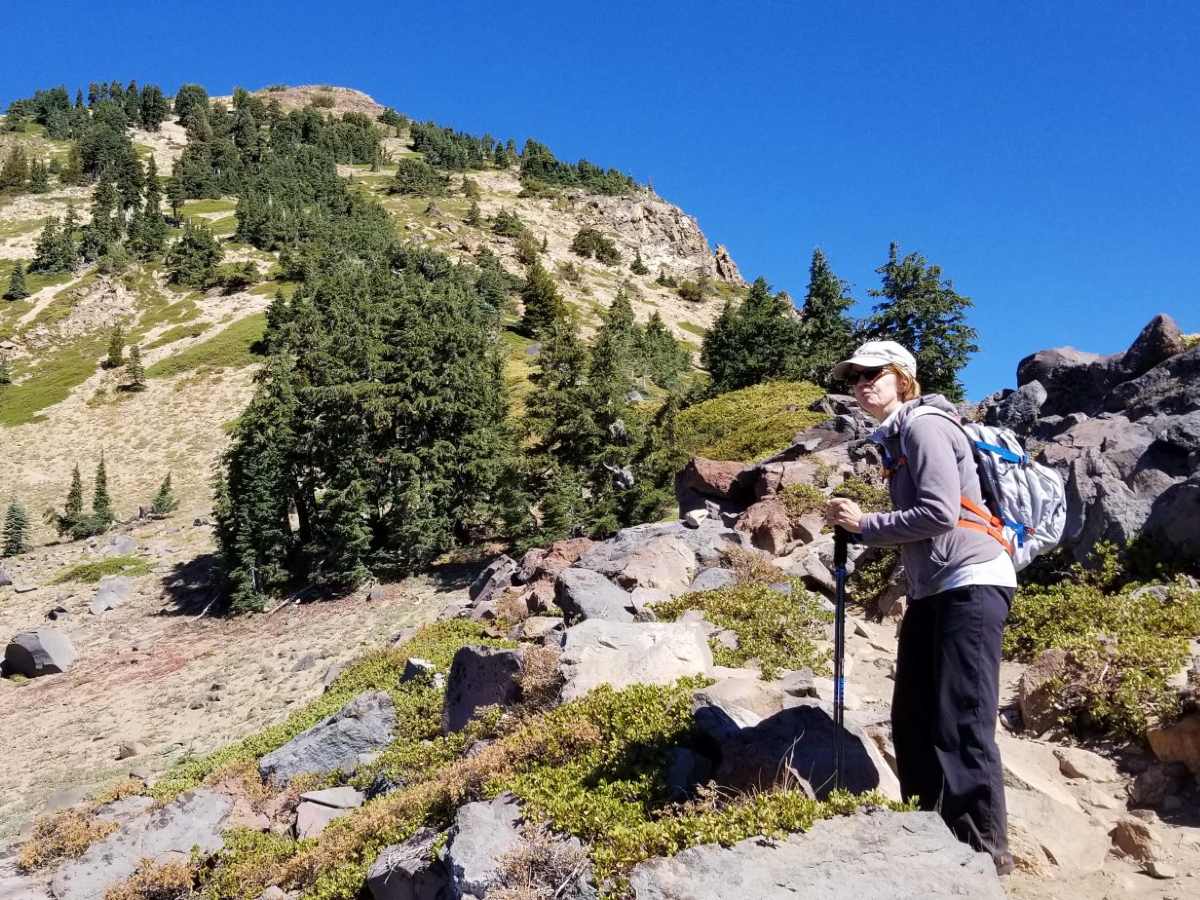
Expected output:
(841, 539)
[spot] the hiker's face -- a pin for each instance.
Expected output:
(876, 391)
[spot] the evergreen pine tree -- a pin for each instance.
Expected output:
(16, 284)
(164, 500)
(148, 229)
(102, 513)
(116, 348)
(661, 357)
(14, 171)
(136, 373)
(5, 371)
(543, 303)
(922, 311)
(71, 520)
(827, 332)
(756, 341)
(193, 259)
(39, 177)
(474, 217)
(638, 267)
(16, 529)
(106, 225)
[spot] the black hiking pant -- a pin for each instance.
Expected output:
(944, 711)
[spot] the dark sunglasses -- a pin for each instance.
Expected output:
(856, 375)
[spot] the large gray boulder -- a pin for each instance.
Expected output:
(585, 594)
(481, 834)
(479, 677)
(709, 542)
(1019, 410)
(194, 819)
(876, 856)
(339, 742)
(497, 576)
(112, 591)
(409, 871)
(599, 652)
(663, 563)
(42, 651)
(794, 743)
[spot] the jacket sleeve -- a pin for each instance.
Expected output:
(933, 467)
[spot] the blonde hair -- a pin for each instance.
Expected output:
(907, 387)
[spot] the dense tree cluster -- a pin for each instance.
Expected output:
(589, 243)
(419, 178)
(450, 149)
(762, 338)
(540, 168)
(377, 438)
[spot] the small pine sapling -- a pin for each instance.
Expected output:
(164, 501)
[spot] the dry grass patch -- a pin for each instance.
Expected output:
(63, 835)
(156, 881)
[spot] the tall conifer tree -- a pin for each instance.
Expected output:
(16, 529)
(102, 513)
(921, 310)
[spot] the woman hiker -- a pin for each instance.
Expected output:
(961, 582)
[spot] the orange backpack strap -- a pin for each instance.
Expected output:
(993, 527)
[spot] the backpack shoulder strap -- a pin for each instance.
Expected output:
(924, 410)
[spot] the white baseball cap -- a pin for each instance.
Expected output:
(878, 353)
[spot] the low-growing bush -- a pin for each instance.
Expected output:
(62, 835)
(748, 424)
(870, 497)
(1123, 645)
(801, 499)
(508, 224)
(91, 572)
(156, 881)
(780, 630)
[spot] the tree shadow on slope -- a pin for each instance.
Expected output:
(194, 586)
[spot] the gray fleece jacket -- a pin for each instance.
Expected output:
(926, 494)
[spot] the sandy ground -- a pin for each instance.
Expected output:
(151, 675)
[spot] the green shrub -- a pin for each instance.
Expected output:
(869, 497)
(1122, 648)
(90, 573)
(780, 630)
(748, 424)
(508, 224)
(614, 795)
(801, 499)
(323, 100)
(589, 243)
(417, 177)
(691, 291)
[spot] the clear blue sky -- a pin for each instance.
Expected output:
(1044, 154)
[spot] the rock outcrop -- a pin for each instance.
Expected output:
(901, 856)
(339, 742)
(194, 820)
